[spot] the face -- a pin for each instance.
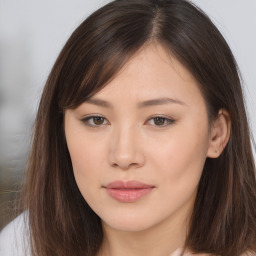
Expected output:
(139, 145)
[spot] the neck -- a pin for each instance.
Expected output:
(162, 239)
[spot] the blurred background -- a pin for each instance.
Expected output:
(32, 34)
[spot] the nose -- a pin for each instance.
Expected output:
(126, 150)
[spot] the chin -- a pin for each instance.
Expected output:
(130, 223)
(128, 226)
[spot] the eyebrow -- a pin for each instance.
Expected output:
(160, 101)
(99, 102)
(147, 103)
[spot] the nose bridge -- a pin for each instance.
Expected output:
(125, 150)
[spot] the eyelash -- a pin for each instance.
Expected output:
(87, 119)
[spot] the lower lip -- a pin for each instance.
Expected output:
(128, 195)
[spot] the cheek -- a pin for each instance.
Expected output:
(86, 157)
(85, 151)
(86, 170)
(180, 159)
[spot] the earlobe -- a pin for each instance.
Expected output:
(219, 134)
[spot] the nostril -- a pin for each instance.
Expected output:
(124, 166)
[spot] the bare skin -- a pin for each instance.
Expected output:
(148, 124)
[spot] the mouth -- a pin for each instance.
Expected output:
(127, 192)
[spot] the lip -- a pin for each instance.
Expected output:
(128, 191)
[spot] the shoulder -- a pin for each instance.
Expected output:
(187, 253)
(249, 254)
(14, 238)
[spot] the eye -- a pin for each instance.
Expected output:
(95, 121)
(160, 121)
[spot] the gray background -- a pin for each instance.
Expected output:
(32, 34)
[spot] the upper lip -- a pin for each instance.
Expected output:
(128, 184)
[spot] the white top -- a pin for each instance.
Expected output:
(14, 239)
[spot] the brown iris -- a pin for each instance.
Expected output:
(159, 120)
(98, 120)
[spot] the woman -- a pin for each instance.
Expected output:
(141, 143)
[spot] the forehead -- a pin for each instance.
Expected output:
(152, 71)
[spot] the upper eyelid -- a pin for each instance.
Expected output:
(91, 116)
(161, 116)
(151, 117)
(87, 117)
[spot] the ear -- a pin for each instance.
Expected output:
(219, 134)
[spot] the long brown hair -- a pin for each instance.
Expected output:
(223, 221)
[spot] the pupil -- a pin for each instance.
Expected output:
(98, 120)
(159, 120)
